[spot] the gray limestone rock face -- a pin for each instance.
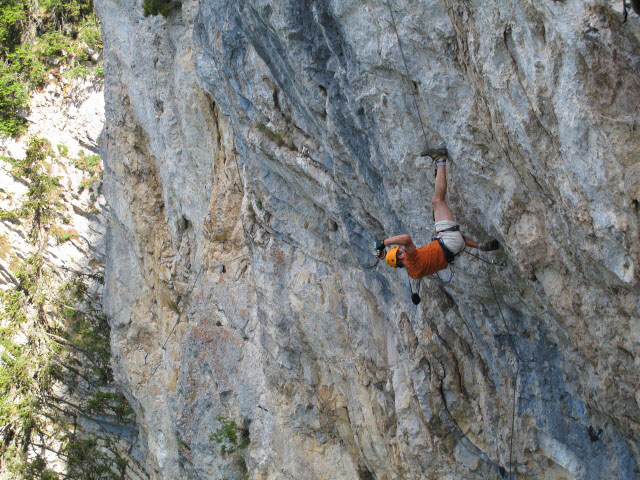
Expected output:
(254, 151)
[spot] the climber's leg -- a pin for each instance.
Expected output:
(440, 209)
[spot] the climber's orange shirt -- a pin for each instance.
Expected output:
(425, 261)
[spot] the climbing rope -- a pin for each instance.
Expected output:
(499, 264)
(515, 382)
(406, 69)
(515, 351)
(413, 93)
(369, 267)
(415, 102)
(489, 262)
(445, 282)
(519, 360)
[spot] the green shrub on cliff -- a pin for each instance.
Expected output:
(13, 22)
(88, 163)
(42, 197)
(158, 7)
(230, 436)
(62, 13)
(13, 97)
(54, 369)
(38, 38)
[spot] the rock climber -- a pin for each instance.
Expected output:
(447, 242)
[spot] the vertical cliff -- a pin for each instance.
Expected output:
(255, 149)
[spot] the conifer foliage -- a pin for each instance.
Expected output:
(56, 383)
(158, 7)
(39, 38)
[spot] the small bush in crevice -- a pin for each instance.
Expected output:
(63, 235)
(276, 137)
(230, 436)
(158, 7)
(88, 163)
(63, 150)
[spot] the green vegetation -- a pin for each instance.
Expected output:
(81, 452)
(276, 137)
(87, 183)
(173, 305)
(228, 435)
(22, 356)
(9, 215)
(5, 246)
(88, 163)
(92, 165)
(159, 7)
(54, 347)
(44, 190)
(43, 194)
(39, 38)
(54, 340)
(63, 235)
(55, 375)
(110, 403)
(63, 150)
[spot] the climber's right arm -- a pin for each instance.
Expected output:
(403, 240)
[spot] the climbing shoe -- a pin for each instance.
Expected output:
(435, 153)
(438, 155)
(489, 246)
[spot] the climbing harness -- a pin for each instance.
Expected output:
(455, 228)
(449, 256)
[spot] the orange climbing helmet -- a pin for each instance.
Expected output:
(391, 257)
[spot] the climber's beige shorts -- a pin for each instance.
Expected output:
(452, 240)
